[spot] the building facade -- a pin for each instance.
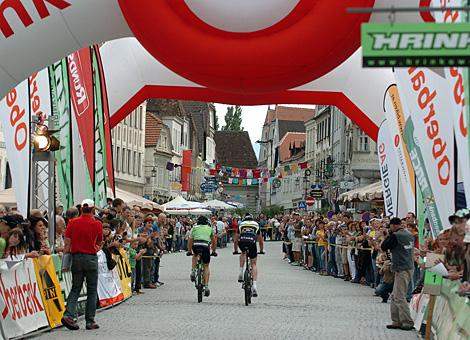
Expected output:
(128, 139)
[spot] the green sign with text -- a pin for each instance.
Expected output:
(424, 44)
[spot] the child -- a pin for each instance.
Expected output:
(133, 257)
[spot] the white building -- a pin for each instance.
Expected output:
(129, 151)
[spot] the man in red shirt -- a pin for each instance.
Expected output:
(83, 237)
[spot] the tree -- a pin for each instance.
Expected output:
(233, 119)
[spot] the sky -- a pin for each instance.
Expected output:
(252, 119)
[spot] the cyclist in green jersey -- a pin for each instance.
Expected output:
(201, 240)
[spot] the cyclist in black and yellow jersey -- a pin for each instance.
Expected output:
(249, 233)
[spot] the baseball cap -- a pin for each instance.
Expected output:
(461, 213)
(88, 203)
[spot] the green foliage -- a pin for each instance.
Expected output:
(233, 119)
(273, 211)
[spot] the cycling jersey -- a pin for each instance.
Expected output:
(202, 233)
(248, 231)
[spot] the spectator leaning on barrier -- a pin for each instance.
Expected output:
(82, 238)
(400, 242)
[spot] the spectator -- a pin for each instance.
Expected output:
(135, 256)
(82, 238)
(36, 238)
(59, 235)
(16, 245)
(401, 243)
(71, 213)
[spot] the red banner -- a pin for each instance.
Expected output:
(81, 94)
(107, 125)
(186, 170)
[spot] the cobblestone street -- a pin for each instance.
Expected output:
(293, 304)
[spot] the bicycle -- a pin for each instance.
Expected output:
(247, 283)
(199, 281)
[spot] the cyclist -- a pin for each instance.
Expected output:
(201, 240)
(249, 233)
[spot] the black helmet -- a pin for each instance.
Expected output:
(248, 217)
(202, 220)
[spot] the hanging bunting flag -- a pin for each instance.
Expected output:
(230, 180)
(249, 173)
(294, 167)
(248, 181)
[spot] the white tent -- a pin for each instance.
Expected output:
(194, 212)
(218, 205)
(179, 203)
(368, 193)
(8, 198)
(134, 200)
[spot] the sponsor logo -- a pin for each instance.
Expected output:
(397, 140)
(6, 6)
(35, 99)
(17, 121)
(21, 300)
(388, 199)
(420, 40)
(80, 98)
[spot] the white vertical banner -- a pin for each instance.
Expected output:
(424, 93)
(15, 117)
(79, 167)
(388, 165)
(21, 306)
(41, 108)
(455, 77)
(109, 285)
(395, 119)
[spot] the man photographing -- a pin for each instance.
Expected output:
(401, 243)
(83, 236)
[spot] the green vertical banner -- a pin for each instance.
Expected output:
(421, 215)
(422, 178)
(100, 141)
(60, 94)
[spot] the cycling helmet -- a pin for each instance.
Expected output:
(202, 220)
(248, 217)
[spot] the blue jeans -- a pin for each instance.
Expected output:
(320, 254)
(84, 266)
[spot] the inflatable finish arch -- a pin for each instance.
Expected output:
(272, 51)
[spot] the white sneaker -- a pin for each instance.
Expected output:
(254, 292)
(240, 277)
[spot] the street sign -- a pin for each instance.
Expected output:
(316, 193)
(315, 186)
(310, 201)
(421, 44)
(302, 205)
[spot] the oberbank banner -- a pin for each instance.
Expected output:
(423, 92)
(21, 307)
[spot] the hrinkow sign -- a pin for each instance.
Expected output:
(429, 44)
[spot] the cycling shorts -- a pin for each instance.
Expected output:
(249, 247)
(202, 247)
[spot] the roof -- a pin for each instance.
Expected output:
(288, 113)
(165, 107)
(233, 148)
(286, 126)
(153, 128)
(290, 141)
(199, 112)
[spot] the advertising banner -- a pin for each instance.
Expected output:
(50, 289)
(15, 117)
(109, 285)
(423, 179)
(62, 118)
(415, 44)
(81, 95)
(125, 273)
(107, 125)
(388, 165)
(457, 96)
(418, 308)
(100, 142)
(395, 118)
(186, 171)
(21, 307)
(423, 90)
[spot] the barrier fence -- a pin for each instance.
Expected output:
(33, 291)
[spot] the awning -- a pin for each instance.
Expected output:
(135, 200)
(368, 193)
(179, 203)
(194, 212)
(8, 198)
(218, 205)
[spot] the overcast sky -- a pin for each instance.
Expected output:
(252, 119)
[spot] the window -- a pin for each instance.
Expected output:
(119, 133)
(131, 119)
(124, 134)
(141, 117)
(130, 137)
(139, 165)
(363, 143)
(129, 162)
(124, 161)
(135, 163)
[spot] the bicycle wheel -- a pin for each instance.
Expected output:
(247, 287)
(200, 286)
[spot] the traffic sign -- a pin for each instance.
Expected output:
(315, 186)
(310, 201)
(302, 205)
(316, 193)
